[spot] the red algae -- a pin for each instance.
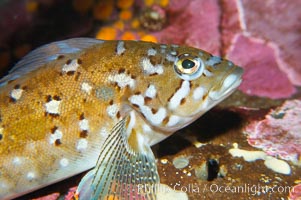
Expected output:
(279, 133)
(71, 193)
(262, 74)
(278, 22)
(53, 196)
(265, 21)
(194, 23)
(295, 193)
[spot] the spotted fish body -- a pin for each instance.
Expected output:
(60, 103)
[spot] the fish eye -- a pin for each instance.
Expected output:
(188, 66)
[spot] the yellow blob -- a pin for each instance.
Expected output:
(111, 197)
(119, 25)
(82, 6)
(164, 3)
(141, 33)
(124, 4)
(125, 15)
(75, 196)
(106, 33)
(149, 2)
(135, 23)
(149, 38)
(103, 10)
(32, 6)
(128, 36)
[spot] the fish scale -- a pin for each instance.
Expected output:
(59, 104)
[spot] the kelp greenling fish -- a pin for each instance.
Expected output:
(75, 104)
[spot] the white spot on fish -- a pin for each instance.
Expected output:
(151, 52)
(52, 107)
(104, 132)
(154, 119)
(82, 144)
(5, 185)
(170, 58)
(204, 105)
(174, 53)
(198, 93)
(132, 122)
(149, 68)
(182, 92)
(120, 48)
(137, 99)
(213, 61)
(30, 176)
(70, 67)
(1, 131)
(215, 95)
(207, 73)
(17, 161)
(112, 110)
(229, 80)
(151, 91)
(122, 80)
(173, 120)
(16, 94)
(57, 135)
(64, 162)
(146, 128)
(86, 87)
(84, 125)
(141, 142)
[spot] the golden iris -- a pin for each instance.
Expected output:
(187, 64)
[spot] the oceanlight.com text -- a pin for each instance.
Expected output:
(247, 188)
(251, 189)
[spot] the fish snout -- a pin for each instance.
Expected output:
(228, 84)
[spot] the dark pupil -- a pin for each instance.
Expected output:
(188, 64)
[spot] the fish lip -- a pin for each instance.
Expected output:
(225, 92)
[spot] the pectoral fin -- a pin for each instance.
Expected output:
(121, 172)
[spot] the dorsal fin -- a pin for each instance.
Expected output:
(47, 53)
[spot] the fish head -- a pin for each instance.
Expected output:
(193, 81)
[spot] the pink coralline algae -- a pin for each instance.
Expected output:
(56, 195)
(275, 33)
(262, 36)
(53, 196)
(279, 134)
(194, 23)
(262, 74)
(295, 193)
(70, 194)
(278, 22)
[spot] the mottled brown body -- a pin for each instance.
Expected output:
(55, 118)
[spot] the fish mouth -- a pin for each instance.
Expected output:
(230, 82)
